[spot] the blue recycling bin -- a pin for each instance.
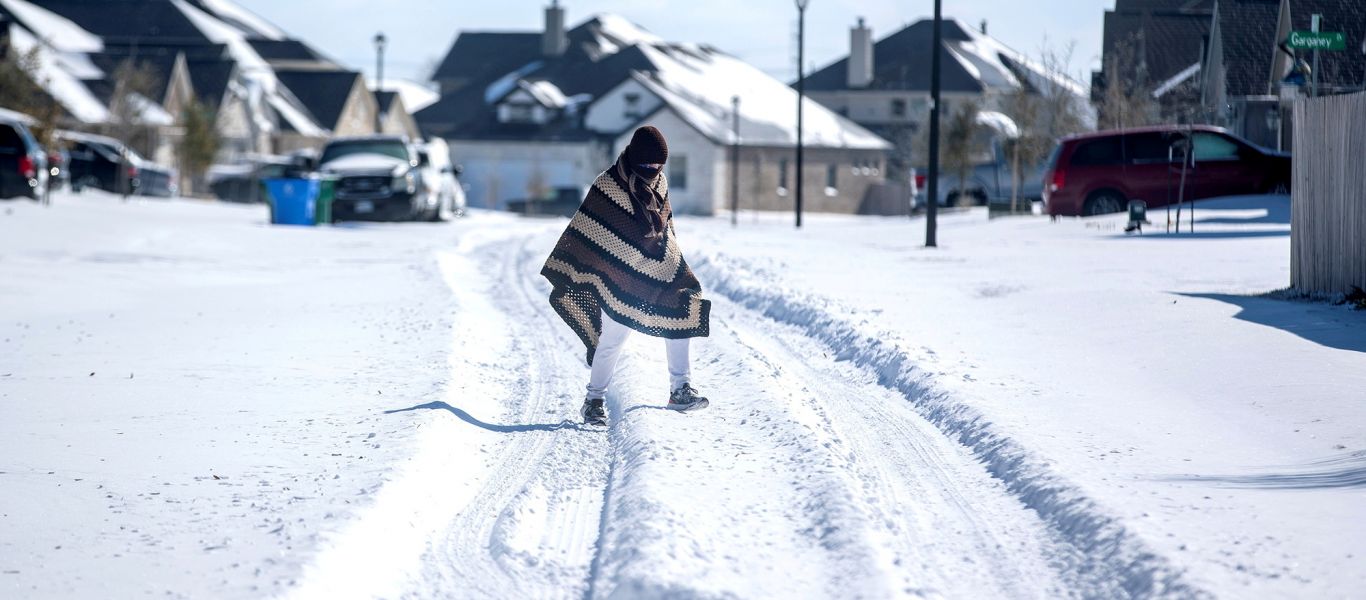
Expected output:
(292, 201)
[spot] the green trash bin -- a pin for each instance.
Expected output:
(327, 192)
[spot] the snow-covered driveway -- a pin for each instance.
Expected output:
(195, 404)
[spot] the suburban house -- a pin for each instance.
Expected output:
(534, 114)
(1245, 67)
(1155, 47)
(270, 94)
(885, 86)
(394, 116)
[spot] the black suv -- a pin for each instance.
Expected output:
(23, 163)
(96, 161)
(379, 177)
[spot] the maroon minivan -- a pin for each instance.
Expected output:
(1098, 173)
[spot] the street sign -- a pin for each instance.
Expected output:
(1317, 40)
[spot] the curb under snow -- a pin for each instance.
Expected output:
(1117, 554)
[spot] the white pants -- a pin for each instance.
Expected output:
(610, 343)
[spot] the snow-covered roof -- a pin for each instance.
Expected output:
(546, 93)
(986, 57)
(255, 70)
(698, 84)
(1176, 80)
(416, 96)
(55, 30)
(243, 19)
(61, 84)
(505, 84)
(11, 115)
(998, 122)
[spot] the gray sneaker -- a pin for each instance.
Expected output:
(594, 413)
(685, 399)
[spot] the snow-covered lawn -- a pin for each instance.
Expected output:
(194, 403)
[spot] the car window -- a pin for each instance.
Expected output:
(1211, 146)
(395, 149)
(1149, 148)
(1104, 151)
(10, 141)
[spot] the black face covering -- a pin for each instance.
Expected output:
(645, 172)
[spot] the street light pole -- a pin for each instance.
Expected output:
(735, 161)
(379, 78)
(932, 174)
(801, 93)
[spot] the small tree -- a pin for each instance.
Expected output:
(21, 89)
(1127, 96)
(199, 145)
(135, 86)
(959, 138)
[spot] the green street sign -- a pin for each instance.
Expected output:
(1317, 40)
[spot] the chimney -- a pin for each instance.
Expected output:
(860, 56)
(553, 41)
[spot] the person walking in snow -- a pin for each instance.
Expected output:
(617, 267)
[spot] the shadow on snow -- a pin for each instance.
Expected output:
(496, 428)
(1331, 326)
(1347, 471)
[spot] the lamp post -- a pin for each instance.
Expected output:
(801, 93)
(379, 77)
(932, 176)
(735, 162)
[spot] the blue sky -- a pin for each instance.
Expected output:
(762, 32)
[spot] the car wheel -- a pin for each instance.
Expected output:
(1103, 203)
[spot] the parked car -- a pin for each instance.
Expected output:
(23, 163)
(379, 177)
(100, 162)
(987, 182)
(440, 176)
(1098, 173)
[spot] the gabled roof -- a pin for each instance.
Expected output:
(385, 99)
(969, 62)
(294, 50)
(1167, 40)
(210, 79)
(1248, 32)
(323, 93)
(124, 21)
(485, 55)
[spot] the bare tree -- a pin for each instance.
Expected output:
(199, 145)
(959, 141)
(21, 89)
(1127, 94)
(136, 85)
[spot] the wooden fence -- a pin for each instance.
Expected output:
(1328, 216)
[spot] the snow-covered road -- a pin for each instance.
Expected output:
(195, 404)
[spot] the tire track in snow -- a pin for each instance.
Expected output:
(952, 529)
(503, 493)
(1113, 558)
(534, 525)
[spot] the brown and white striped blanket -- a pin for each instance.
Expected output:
(610, 259)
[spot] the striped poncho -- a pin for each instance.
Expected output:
(611, 259)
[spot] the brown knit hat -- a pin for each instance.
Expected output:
(647, 147)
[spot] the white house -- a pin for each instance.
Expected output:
(531, 113)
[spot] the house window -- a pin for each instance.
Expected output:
(678, 172)
(782, 177)
(632, 109)
(899, 108)
(519, 113)
(832, 173)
